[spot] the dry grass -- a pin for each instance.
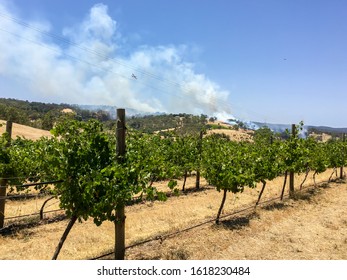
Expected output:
(227, 129)
(303, 229)
(283, 232)
(29, 206)
(235, 135)
(68, 111)
(25, 131)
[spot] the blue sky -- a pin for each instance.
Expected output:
(278, 61)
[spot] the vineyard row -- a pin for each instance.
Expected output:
(101, 172)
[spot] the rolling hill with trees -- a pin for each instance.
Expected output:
(44, 115)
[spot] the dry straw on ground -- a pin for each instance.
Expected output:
(25, 131)
(311, 228)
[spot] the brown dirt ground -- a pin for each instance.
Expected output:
(313, 227)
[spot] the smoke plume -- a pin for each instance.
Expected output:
(88, 65)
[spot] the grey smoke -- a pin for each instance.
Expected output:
(95, 70)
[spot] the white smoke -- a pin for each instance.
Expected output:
(86, 66)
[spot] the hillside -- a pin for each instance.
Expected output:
(238, 134)
(310, 129)
(25, 131)
(181, 123)
(44, 115)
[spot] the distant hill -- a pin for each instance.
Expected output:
(112, 110)
(43, 115)
(327, 129)
(273, 126)
(309, 128)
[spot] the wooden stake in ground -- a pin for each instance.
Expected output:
(343, 152)
(197, 181)
(184, 180)
(120, 216)
(291, 173)
(9, 125)
(3, 182)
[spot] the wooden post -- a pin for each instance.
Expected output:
(291, 173)
(120, 211)
(3, 182)
(197, 181)
(9, 132)
(343, 153)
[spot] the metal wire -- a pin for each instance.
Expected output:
(14, 178)
(23, 196)
(33, 214)
(34, 184)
